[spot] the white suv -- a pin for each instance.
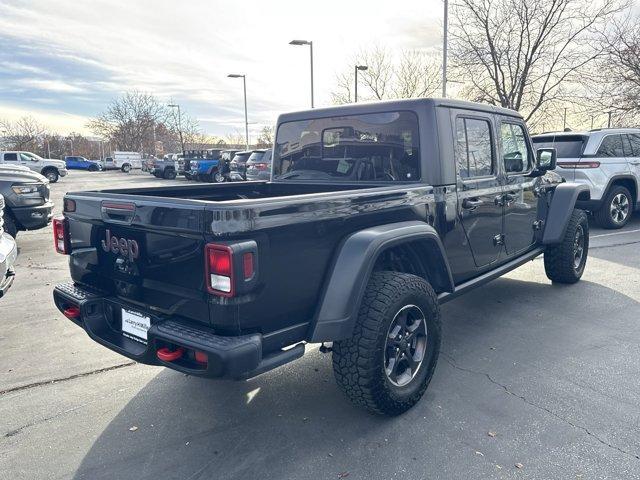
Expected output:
(608, 161)
(52, 169)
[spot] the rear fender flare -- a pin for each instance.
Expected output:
(563, 202)
(352, 266)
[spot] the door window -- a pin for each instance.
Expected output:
(515, 153)
(10, 157)
(611, 146)
(25, 157)
(473, 148)
(634, 139)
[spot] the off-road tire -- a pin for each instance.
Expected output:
(559, 260)
(604, 217)
(51, 174)
(169, 174)
(126, 168)
(10, 225)
(359, 361)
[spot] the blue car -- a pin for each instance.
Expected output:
(81, 163)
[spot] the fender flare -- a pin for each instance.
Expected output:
(562, 205)
(352, 266)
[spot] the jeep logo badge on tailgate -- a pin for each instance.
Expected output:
(120, 246)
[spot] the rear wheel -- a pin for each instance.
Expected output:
(565, 262)
(126, 168)
(387, 364)
(93, 168)
(51, 174)
(616, 208)
(169, 174)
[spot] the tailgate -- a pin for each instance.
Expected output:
(147, 251)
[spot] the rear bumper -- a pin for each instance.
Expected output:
(227, 357)
(32, 218)
(8, 255)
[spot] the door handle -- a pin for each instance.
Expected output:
(471, 204)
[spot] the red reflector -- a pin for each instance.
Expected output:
(61, 235)
(72, 312)
(201, 357)
(247, 265)
(167, 355)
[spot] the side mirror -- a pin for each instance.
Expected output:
(545, 159)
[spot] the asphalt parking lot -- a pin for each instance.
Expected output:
(535, 381)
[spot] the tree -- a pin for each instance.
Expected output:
(524, 54)
(409, 74)
(265, 139)
(22, 134)
(130, 121)
(620, 92)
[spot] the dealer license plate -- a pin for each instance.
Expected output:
(135, 326)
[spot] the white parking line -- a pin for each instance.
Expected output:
(615, 233)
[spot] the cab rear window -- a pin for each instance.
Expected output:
(380, 147)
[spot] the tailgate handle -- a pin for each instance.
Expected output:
(118, 212)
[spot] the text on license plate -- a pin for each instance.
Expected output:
(135, 326)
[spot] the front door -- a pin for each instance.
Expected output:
(519, 200)
(479, 187)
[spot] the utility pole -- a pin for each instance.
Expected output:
(564, 120)
(310, 43)
(444, 48)
(609, 122)
(173, 105)
(358, 67)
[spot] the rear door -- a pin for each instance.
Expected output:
(479, 187)
(634, 158)
(519, 200)
(144, 251)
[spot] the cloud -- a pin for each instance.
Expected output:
(86, 53)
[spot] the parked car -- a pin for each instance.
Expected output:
(238, 164)
(26, 200)
(52, 169)
(233, 280)
(81, 163)
(607, 161)
(125, 161)
(259, 165)
(165, 168)
(8, 254)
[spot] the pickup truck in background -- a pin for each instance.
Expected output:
(375, 215)
(8, 254)
(51, 169)
(166, 168)
(81, 163)
(26, 200)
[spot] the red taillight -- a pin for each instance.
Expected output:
(261, 166)
(219, 270)
(61, 235)
(579, 164)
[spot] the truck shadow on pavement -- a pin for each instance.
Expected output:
(295, 423)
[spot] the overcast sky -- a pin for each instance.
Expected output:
(63, 61)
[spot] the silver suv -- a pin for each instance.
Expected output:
(608, 161)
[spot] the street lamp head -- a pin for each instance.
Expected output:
(172, 105)
(362, 67)
(299, 42)
(235, 75)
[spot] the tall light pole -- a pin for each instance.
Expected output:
(173, 105)
(310, 43)
(246, 118)
(362, 68)
(445, 32)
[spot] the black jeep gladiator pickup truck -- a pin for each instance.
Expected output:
(375, 215)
